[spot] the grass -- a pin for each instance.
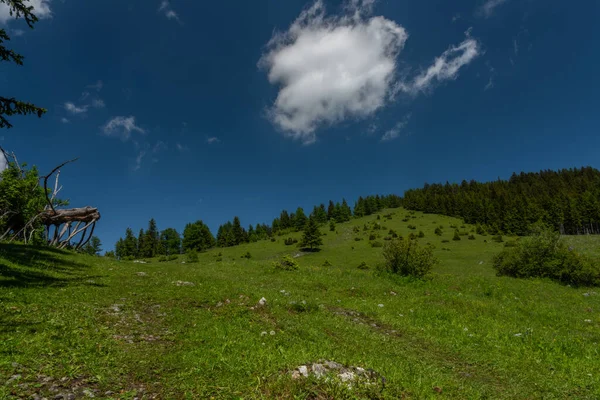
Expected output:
(70, 323)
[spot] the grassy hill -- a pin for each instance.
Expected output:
(78, 326)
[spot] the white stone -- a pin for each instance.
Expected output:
(262, 301)
(303, 370)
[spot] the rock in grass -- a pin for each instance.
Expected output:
(262, 302)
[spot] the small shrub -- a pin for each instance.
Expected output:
(219, 259)
(287, 263)
(365, 227)
(273, 240)
(356, 229)
(357, 239)
(445, 241)
(376, 244)
(332, 226)
(438, 231)
(479, 229)
(247, 255)
(363, 265)
(172, 257)
(220, 254)
(456, 236)
(327, 263)
(412, 227)
(511, 243)
(543, 255)
(471, 237)
(421, 234)
(384, 227)
(192, 256)
(462, 227)
(412, 236)
(453, 226)
(387, 238)
(378, 217)
(162, 258)
(372, 236)
(408, 258)
(405, 219)
(497, 239)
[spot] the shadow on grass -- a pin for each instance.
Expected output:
(40, 267)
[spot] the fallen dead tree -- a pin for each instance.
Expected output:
(62, 226)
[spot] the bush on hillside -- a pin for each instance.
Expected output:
(438, 231)
(412, 227)
(290, 241)
(287, 263)
(363, 265)
(421, 234)
(327, 263)
(471, 237)
(408, 258)
(456, 236)
(497, 239)
(192, 256)
(372, 236)
(376, 244)
(543, 255)
(247, 255)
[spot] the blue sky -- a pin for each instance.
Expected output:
(188, 110)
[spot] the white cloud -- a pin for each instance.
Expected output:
(212, 140)
(17, 32)
(138, 160)
(490, 83)
(516, 47)
(181, 147)
(158, 147)
(41, 9)
(73, 109)
(64, 120)
(487, 9)
(98, 103)
(333, 68)
(445, 67)
(165, 8)
(121, 127)
(396, 130)
(96, 86)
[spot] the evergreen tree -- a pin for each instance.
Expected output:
(345, 211)
(284, 220)
(238, 233)
(170, 242)
(93, 247)
(300, 219)
(140, 245)
(332, 225)
(197, 237)
(312, 235)
(330, 210)
(130, 244)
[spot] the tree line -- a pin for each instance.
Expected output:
(567, 200)
(197, 236)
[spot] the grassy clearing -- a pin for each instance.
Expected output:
(71, 323)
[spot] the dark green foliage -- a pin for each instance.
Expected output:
(127, 248)
(300, 219)
(497, 239)
(372, 236)
(191, 256)
(568, 200)
(148, 242)
(412, 236)
(356, 229)
(197, 236)
(456, 236)
(471, 237)
(445, 241)
(512, 243)
(93, 247)
(408, 258)
(378, 217)
(312, 235)
(272, 239)
(363, 265)
(372, 204)
(358, 239)
(393, 233)
(290, 241)
(543, 255)
(320, 214)
(110, 254)
(327, 263)
(412, 227)
(170, 242)
(21, 199)
(331, 226)
(376, 244)
(247, 255)
(438, 231)
(287, 263)
(421, 234)
(9, 105)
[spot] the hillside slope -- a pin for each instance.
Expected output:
(79, 325)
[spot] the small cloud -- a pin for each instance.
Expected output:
(445, 67)
(516, 47)
(96, 86)
(158, 147)
(98, 103)
(490, 83)
(371, 129)
(41, 9)
(64, 120)
(456, 17)
(138, 160)
(396, 130)
(181, 147)
(84, 96)
(73, 109)
(212, 140)
(17, 32)
(487, 9)
(122, 127)
(165, 8)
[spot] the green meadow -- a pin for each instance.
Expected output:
(78, 326)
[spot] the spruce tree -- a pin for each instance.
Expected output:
(300, 219)
(312, 235)
(170, 242)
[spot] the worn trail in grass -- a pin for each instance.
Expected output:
(72, 323)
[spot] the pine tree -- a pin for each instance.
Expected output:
(238, 233)
(330, 210)
(130, 244)
(312, 235)
(93, 247)
(170, 242)
(300, 219)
